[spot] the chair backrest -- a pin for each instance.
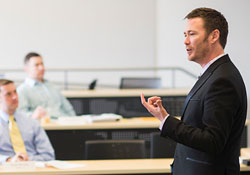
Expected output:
(114, 149)
(140, 83)
(92, 85)
(161, 147)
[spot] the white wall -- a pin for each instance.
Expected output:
(170, 48)
(112, 33)
(78, 34)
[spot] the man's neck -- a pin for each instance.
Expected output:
(211, 56)
(35, 79)
(9, 112)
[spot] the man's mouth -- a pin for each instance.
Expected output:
(189, 50)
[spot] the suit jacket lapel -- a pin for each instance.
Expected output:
(203, 79)
(195, 88)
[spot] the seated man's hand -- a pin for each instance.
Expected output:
(18, 158)
(39, 113)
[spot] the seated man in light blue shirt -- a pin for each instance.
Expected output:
(37, 96)
(36, 143)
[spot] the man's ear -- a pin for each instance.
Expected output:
(215, 36)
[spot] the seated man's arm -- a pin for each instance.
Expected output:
(66, 107)
(43, 148)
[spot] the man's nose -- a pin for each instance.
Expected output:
(41, 67)
(186, 41)
(14, 96)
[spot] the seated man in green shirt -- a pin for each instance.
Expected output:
(37, 96)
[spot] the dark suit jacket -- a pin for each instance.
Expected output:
(213, 119)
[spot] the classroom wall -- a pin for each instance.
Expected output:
(78, 34)
(170, 47)
(112, 33)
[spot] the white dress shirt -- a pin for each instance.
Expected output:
(33, 93)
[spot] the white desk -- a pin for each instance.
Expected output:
(124, 93)
(129, 166)
(132, 123)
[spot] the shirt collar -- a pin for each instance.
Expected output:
(211, 62)
(5, 116)
(33, 82)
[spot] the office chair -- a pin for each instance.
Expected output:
(140, 83)
(161, 147)
(114, 149)
(92, 85)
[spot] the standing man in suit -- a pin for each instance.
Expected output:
(209, 132)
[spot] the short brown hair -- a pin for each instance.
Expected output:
(4, 82)
(212, 20)
(29, 55)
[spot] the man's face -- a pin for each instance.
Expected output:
(8, 98)
(35, 68)
(196, 42)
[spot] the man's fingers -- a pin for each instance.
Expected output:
(152, 100)
(142, 98)
(143, 101)
(22, 157)
(147, 105)
(159, 103)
